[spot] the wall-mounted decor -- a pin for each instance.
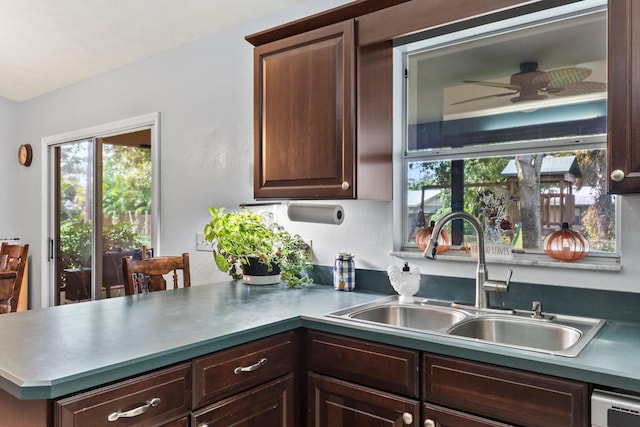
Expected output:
(25, 154)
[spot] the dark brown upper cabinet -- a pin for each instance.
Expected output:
(623, 143)
(320, 109)
(304, 112)
(323, 94)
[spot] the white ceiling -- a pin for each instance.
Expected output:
(49, 44)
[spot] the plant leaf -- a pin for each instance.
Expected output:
(221, 261)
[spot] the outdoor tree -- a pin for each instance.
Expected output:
(528, 167)
(598, 220)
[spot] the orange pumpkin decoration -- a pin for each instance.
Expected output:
(424, 235)
(566, 244)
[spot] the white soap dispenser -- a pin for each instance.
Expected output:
(405, 282)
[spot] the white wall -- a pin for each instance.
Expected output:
(204, 92)
(9, 169)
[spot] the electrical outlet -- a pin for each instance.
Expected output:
(201, 244)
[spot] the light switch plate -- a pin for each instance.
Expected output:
(201, 244)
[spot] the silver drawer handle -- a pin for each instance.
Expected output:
(260, 363)
(134, 412)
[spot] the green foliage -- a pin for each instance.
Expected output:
(126, 182)
(126, 191)
(237, 236)
(75, 241)
(479, 174)
(120, 237)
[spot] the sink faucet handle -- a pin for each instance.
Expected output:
(496, 286)
(509, 277)
(536, 310)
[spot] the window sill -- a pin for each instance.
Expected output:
(597, 263)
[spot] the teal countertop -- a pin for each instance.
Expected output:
(52, 352)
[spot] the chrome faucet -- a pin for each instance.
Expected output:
(483, 284)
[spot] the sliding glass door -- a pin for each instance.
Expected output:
(102, 209)
(73, 203)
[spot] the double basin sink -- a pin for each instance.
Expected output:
(550, 333)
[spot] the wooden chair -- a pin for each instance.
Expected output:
(147, 274)
(112, 271)
(13, 259)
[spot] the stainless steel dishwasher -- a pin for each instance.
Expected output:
(614, 409)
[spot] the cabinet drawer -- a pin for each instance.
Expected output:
(269, 405)
(376, 365)
(444, 417)
(169, 390)
(239, 368)
(508, 395)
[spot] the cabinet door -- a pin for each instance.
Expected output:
(304, 115)
(624, 96)
(336, 403)
(509, 395)
(270, 405)
(436, 416)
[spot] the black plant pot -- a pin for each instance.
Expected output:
(257, 273)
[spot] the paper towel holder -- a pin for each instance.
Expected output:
(315, 213)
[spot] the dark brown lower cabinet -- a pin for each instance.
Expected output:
(155, 399)
(269, 405)
(348, 382)
(182, 422)
(336, 403)
(437, 416)
(354, 382)
(249, 385)
(509, 395)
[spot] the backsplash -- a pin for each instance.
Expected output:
(613, 305)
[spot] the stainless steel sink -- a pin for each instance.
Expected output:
(553, 334)
(523, 333)
(411, 316)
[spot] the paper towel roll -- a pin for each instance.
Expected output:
(323, 214)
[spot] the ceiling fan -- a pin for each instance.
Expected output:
(531, 84)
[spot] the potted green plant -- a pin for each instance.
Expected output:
(242, 239)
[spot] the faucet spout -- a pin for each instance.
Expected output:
(482, 296)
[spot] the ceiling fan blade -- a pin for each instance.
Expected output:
(485, 97)
(580, 88)
(556, 79)
(493, 84)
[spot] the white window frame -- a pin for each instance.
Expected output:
(147, 121)
(402, 157)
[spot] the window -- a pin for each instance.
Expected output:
(508, 121)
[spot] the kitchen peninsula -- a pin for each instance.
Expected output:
(60, 351)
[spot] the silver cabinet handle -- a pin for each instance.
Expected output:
(617, 175)
(407, 418)
(134, 412)
(345, 185)
(260, 363)
(429, 423)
